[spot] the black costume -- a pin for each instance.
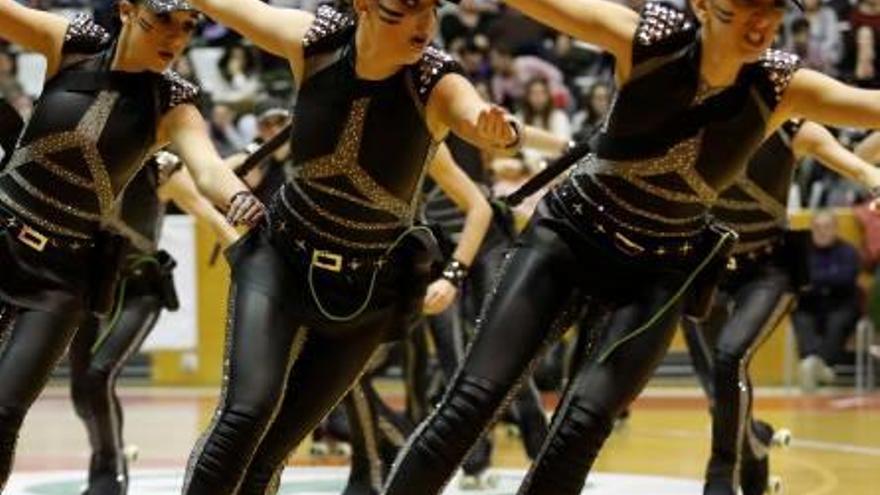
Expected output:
(89, 135)
(336, 271)
(754, 297)
(101, 348)
(629, 228)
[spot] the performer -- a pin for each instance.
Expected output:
(101, 348)
(341, 267)
(107, 102)
(629, 225)
(768, 267)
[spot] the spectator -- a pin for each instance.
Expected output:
(226, 136)
(511, 74)
(820, 42)
(537, 109)
(241, 84)
(594, 105)
(865, 22)
(464, 22)
(828, 311)
(577, 62)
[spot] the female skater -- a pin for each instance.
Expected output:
(759, 290)
(341, 267)
(101, 347)
(628, 227)
(107, 102)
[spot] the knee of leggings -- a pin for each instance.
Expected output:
(727, 366)
(463, 415)
(571, 451)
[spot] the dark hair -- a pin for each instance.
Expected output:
(530, 114)
(109, 17)
(250, 61)
(800, 25)
(587, 102)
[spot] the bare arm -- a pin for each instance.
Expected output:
(869, 148)
(819, 98)
(274, 29)
(544, 141)
(184, 127)
(599, 22)
(467, 196)
(181, 189)
(34, 30)
(815, 140)
(464, 193)
(456, 106)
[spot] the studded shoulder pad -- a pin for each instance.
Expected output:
(84, 36)
(435, 64)
(329, 26)
(660, 26)
(777, 69)
(176, 90)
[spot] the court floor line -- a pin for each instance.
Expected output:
(829, 481)
(797, 443)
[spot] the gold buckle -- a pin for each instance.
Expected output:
(627, 245)
(32, 238)
(327, 260)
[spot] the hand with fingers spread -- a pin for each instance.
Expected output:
(245, 209)
(497, 126)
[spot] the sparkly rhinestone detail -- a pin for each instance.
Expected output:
(328, 21)
(165, 6)
(343, 161)
(84, 35)
(659, 22)
(431, 68)
(84, 138)
(780, 67)
(179, 90)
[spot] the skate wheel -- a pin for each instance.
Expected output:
(782, 438)
(774, 486)
(131, 452)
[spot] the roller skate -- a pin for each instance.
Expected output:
(756, 479)
(107, 476)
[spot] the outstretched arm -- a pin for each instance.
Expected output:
(181, 189)
(819, 98)
(34, 30)
(869, 148)
(187, 132)
(599, 22)
(274, 29)
(815, 140)
(467, 196)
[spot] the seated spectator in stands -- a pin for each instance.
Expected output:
(511, 75)
(820, 43)
(471, 54)
(537, 109)
(578, 61)
(828, 311)
(594, 105)
(241, 83)
(522, 35)
(466, 21)
(224, 132)
(865, 21)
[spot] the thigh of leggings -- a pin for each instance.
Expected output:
(125, 335)
(607, 382)
(35, 343)
(535, 288)
(759, 305)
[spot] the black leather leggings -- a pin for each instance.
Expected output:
(285, 368)
(97, 355)
(747, 310)
(31, 345)
(546, 275)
